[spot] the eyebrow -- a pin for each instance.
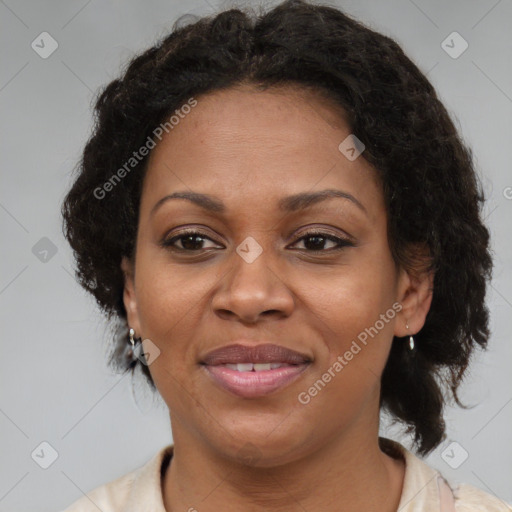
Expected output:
(286, 204)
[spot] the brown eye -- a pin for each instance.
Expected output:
(315, 242)
(190, 241)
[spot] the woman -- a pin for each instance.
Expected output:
(282, 218)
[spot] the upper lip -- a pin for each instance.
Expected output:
(263, 353)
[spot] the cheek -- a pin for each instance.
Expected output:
(343, 301)
(169, 304)
(346, 377)
(351, 308)
(169, 295)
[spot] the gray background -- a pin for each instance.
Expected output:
(54, 382)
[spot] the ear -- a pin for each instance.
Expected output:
(415, 292)
(129, 297)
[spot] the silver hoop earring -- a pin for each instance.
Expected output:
(411, 339)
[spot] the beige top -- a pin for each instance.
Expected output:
(424, 489)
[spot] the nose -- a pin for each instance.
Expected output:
(252, 290)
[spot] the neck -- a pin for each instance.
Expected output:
(348, 473)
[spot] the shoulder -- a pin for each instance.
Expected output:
(109, 497)
(426, 490)
(131, 492)
(470, 499)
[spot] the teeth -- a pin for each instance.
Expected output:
(248, 367)
(244, 367)
(261, 366)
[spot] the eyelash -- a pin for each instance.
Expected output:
(342, 242)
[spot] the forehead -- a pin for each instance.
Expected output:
(247, 145)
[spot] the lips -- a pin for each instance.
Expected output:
(259, 354)
(254, 371)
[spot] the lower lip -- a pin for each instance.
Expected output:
(254, 384)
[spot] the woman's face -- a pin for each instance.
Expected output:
(259, 273)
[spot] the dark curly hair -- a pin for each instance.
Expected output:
(432, 193)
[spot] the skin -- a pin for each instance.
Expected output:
(249, 149)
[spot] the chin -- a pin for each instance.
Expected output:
(262, 442)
